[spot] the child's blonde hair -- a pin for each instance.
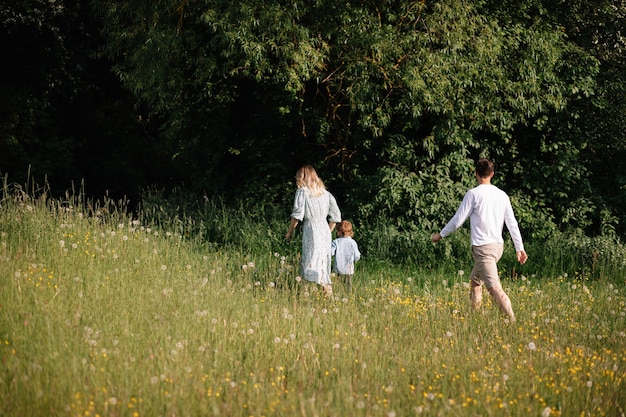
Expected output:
(344, 228)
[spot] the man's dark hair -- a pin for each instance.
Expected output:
(484, 167)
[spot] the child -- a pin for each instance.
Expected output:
(346, 253)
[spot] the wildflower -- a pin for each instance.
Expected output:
(298, 278)
(461, 272)
(62, 243)
(532, 346)
(546, 412)
(589, 384)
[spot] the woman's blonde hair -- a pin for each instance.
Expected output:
(307, 177)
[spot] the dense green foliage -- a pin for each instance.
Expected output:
(390, 100)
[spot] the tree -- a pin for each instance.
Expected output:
(393, 100)
(64, 118)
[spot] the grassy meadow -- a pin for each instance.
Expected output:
(104, 314)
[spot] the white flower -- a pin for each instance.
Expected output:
(546, 412)
(532, 346)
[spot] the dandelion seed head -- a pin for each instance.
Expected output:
(532, 346)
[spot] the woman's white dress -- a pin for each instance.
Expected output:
(314, 213)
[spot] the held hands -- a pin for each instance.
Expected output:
(435, 237)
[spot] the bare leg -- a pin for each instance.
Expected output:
(476, 294)
(327, 290)
(348, 282)
(503, 301)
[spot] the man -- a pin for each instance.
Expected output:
(488, 209)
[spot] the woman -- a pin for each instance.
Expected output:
(317, 209)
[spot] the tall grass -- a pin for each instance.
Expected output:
(106, 314)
